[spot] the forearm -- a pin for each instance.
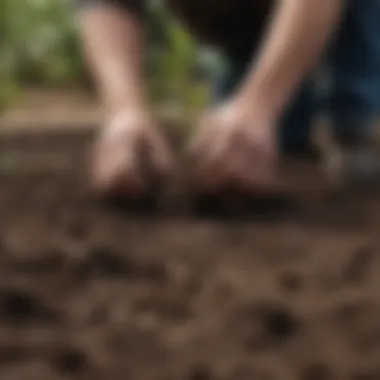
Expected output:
(112, 42)
(296, 38)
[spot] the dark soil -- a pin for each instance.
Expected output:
(185, 291)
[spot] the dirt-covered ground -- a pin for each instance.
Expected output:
(93, 292)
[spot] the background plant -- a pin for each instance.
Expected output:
(39, 48)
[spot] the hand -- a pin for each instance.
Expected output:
(235, 149)
(129, 151)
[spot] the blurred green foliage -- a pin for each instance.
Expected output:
(39, 47)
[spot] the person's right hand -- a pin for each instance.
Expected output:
(235, 148)
(129, 144)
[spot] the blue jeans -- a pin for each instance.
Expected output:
(352, 100)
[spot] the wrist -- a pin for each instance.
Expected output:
(263, 107)
(133, 102)
(264, 96)
(125, 118)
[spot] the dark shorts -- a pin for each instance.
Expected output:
(223, 24)
(136, 6)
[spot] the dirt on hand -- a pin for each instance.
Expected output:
(183, 292)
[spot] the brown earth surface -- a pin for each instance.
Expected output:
(51, 109)
(181, 292)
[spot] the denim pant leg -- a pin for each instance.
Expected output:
(295, 126)
(354, 62)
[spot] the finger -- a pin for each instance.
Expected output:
(222, 146)
(245, 167)
(260, 177)
(200, 142)
(220, 165)
(210, 178)
(233, 164)
(123, 172)
(161, 156)
(216, 150)
(116, 169)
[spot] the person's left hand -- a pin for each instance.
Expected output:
(235, 148)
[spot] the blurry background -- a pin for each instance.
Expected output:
(40, 59)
